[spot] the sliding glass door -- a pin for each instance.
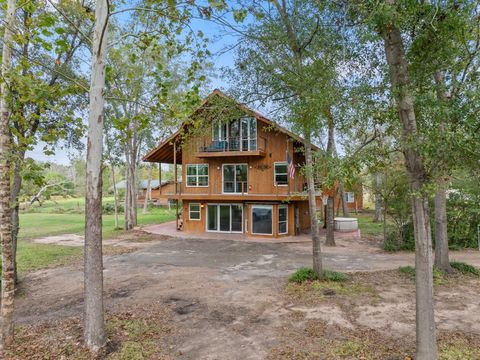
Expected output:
(225, 218)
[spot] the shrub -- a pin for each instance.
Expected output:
(410, 272)
(335, 276)
(400, 239)
(303, 274)
(109, 208)
(465, 268)
(307, 274)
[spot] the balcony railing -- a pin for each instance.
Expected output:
(234, 144)
(235, 187)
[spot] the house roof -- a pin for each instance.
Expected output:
(164, 152)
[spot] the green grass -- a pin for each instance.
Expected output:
(61, 217)
(367, 226)
(464, 268)
(307, 274)
(438, 277)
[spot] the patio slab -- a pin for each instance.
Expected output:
(169, 229)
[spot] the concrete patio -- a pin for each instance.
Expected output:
(168, 229)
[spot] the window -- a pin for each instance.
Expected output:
(235, 178)
(283, 219)
(194, 211)
(262, 219)
(197, 175)
(350, 197)
(281, 173)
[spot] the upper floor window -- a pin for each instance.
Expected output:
(235, 178)
(350, 197)
(236, 135)
(197, 174)
(281, 173)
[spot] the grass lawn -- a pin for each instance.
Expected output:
(367, 226)
(66, 216)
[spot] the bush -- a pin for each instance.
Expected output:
(465, 268)
(307, 274)
(109, 208)
(400, 239)
(410, 272)
(335, 276)
(303, 274)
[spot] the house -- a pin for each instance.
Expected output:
(167, 187)
(141, 187)
(235, 174)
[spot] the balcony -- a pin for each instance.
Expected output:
(232, 146)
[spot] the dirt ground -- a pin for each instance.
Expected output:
(230, 300)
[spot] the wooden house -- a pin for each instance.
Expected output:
(236, 173)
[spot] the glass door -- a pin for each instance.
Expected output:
(225, 218)
(248, 134)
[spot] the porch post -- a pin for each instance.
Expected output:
(160, 178)
(175, 181)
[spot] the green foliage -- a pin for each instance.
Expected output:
(307, 274)
(410, 272)
(400, 239)
(335, 276)
(465, 268)
(303, 274)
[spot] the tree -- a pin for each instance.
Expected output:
(287, 58)
(401, 89)
(94, 324)
(47, 92)
(8, 275)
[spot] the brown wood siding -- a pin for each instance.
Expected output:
(260, 169)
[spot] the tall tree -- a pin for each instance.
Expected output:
(94, 324)
(401, 89)
(288, 59)
(8, 277)
(48, 91)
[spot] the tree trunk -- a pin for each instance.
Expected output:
(16, 186)
(115, 195)
(312, 205)
(330, 222)
(442, 261)
(8, 276)
(147, 193)
(378, 198)
(94, 324)
(345, 211)
(425, 320)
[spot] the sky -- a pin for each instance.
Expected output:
(220, 39)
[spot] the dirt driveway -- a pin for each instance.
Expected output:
(228, 297)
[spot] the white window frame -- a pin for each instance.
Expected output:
(261, 207)
(275, 172)
(234, 192)
(196, 175)
(190, 212)
(285, 221)
(218, 218)
(350, 197)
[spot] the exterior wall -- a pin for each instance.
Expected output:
(260, 169)
(200, 225)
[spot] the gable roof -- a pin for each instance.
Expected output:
(164, 152)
